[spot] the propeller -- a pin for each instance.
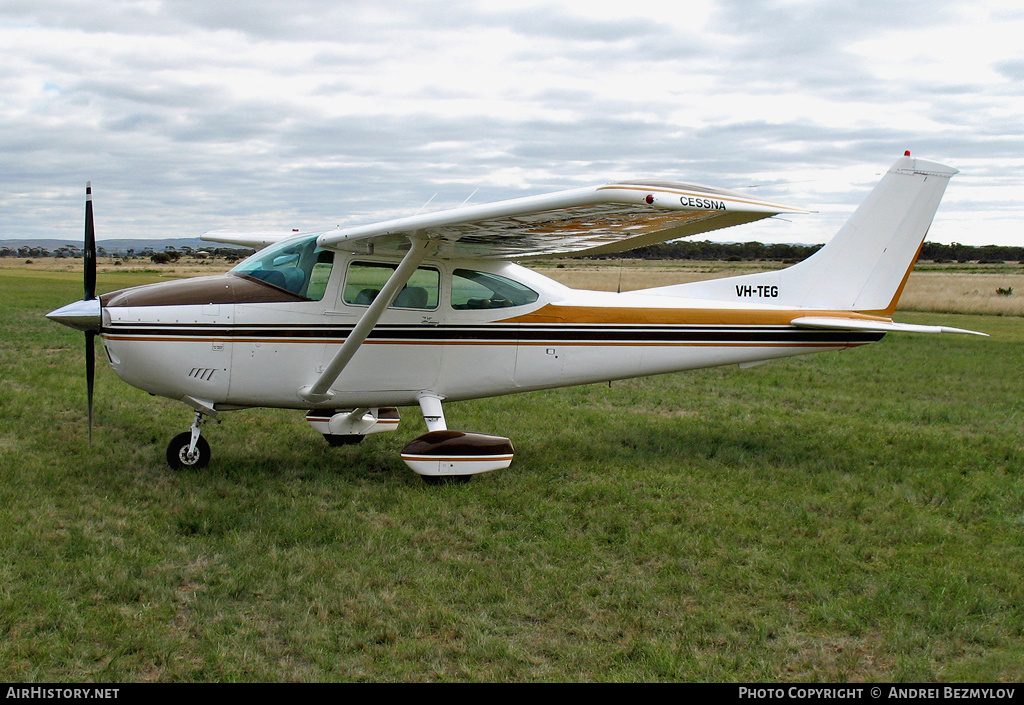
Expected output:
(90, 295)
(84, 315)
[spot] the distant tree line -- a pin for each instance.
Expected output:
(718, 251)
(169, 254)
(956, 252)
(680, 250)
(746, 251)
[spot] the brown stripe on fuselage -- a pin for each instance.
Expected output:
(218, 289)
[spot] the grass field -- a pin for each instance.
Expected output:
(854, 516)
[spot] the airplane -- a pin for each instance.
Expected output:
(349, 325)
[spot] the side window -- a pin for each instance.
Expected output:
(366, 279)
(477, 290)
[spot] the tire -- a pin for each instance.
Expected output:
(336, 440)
(177, 453)
(438, 480)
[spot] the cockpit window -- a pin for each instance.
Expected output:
(366, 279)
(300, 268)
(481, 290)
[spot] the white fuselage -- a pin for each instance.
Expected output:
(234, 343)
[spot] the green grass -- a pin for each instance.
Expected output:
(854, 516)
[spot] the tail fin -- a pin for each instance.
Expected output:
(864, 267)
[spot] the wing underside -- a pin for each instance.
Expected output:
(588, 230)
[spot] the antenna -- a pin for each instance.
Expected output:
(426, 204)
(781, 183)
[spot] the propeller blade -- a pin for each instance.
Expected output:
(90, 246)
(90, 372)
(90, 294)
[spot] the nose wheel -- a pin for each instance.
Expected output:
(189, 450)
(180, 456)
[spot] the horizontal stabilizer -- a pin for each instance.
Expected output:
(835, 323)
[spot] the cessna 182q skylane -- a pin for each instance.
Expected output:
(352, 323)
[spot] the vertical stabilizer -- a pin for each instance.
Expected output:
(864, 267)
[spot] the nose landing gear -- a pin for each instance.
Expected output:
(189, 450)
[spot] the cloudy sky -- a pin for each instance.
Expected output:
(191, 115)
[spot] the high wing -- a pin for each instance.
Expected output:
(613, 217)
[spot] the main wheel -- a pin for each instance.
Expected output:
(446, 479)
(178, 456)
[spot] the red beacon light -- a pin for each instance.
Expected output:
(907, 153)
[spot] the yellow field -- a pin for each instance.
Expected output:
(185, 267)
(950, 292)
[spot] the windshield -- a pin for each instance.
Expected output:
(296, 266)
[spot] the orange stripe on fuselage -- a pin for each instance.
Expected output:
(555, 313)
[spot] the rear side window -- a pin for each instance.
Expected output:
(480, 290)
(366, 279)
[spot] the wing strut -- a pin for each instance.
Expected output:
(319, 391)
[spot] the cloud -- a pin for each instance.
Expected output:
(190, 116)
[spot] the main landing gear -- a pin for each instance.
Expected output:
(441, 456)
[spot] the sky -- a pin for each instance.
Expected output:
(191, 115)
